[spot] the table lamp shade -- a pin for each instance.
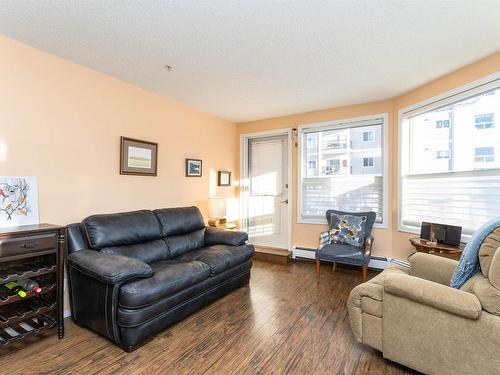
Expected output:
(217, 207)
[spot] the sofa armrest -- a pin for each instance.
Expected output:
(444, 298)
(108, 268)
(217, 236)
(432, 267)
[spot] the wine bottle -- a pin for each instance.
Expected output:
(12, 288)
(30, 285)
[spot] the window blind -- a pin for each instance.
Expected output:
(345, 193)
(466, 199)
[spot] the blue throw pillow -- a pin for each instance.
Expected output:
(348, 229)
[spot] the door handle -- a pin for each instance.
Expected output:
(285, 201)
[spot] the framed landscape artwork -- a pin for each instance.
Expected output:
(138, 157)
(18, 201)
(224, 178)
(194, 168)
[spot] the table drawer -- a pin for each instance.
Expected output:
(28, 244)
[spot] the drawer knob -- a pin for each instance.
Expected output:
(31, 245)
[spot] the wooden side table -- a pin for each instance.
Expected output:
(439, 249)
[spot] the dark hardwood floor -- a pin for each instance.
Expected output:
(286, 322)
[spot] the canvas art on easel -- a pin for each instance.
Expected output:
(18, 201)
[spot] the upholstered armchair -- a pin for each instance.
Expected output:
(415, 318)
(344, 253)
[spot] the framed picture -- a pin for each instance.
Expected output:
(194, 168)
(138, 157)
(18, 201)
(224, 178)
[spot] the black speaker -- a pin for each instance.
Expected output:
(453, 235)
(442, 233)
(425, 230)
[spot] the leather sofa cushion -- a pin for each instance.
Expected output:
(216, 236)
(179, 220)
(178, 245)
(148, 252)
(125, 228)
(134, 317)
(169, 277)
(220, 257)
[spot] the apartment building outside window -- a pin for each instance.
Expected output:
(484, 154)
(485, 121)
(368, 162)
(349, 168)
(442, 124)
(368, 136)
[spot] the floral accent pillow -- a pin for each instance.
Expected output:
(348, 229)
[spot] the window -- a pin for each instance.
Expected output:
(443, 154)
(442, 124)
(367, 136)
(311, 164)
(311, 143)
(450, 177)
(343, 181)
(484, 154)
(486, 121)
(368, 162)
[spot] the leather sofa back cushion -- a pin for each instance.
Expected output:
(148, 252)
(488, 249)
(180, 220)
(178, 245)
(125, 228)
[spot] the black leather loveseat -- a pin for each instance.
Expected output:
(133, 274)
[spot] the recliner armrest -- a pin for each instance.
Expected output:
(435, 295)
(217, 236)
(432, 267)
(108, 268)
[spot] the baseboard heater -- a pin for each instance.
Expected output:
(300, 252)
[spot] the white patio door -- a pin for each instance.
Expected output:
(266, 191)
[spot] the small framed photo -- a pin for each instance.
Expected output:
(224, 178)
(194, 168)
(138, 157)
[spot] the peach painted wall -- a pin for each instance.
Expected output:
(388, 242)
(62, 123)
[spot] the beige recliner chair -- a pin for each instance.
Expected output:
(414, 318)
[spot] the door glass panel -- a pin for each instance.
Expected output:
(267, 221)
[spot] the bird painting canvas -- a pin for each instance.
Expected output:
(18, 201)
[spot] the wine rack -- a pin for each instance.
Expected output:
(36, 253)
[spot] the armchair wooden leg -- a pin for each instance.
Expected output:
(317, 267)
(334, 266)
(364, 272)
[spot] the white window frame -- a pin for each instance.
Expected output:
(474, 88)
(345, 124)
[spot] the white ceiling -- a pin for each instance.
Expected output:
(247, 60)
